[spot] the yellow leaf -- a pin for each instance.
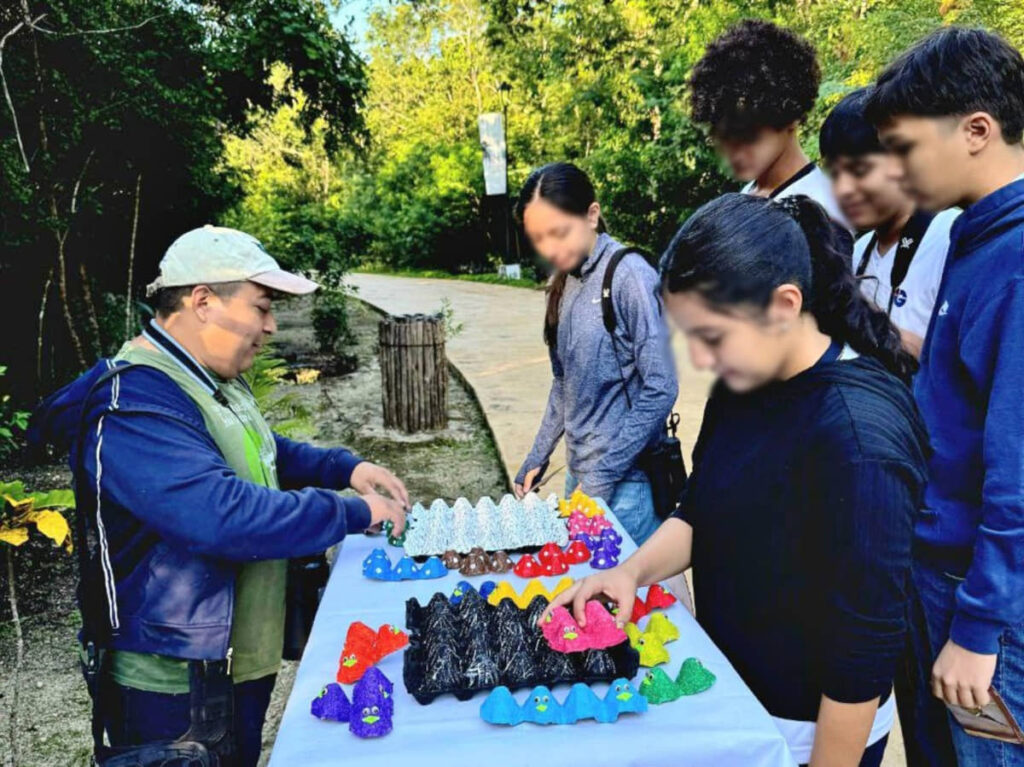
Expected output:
(13, 535)
(19, 505)
(51, 524)
(306, 375)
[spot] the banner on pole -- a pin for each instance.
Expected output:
(492, 141)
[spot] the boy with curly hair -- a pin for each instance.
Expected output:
(753, 87)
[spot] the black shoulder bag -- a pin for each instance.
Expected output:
(910, 240)
(662, 462)
(209, 741)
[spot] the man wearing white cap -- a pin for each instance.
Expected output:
(191, 505)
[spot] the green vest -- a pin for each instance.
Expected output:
(257, 629)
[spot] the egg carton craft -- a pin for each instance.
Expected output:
(509, 525)
(464, 587)
(579, 502)
(580, 524)
(532, 590)
(693, 678)
(477, 561)
(551, 560)
(377, 566)
(371, 712)
(395, 540)
(473, 646)
(657, 598)
(650, 642)
(364, 647)
(565, 635)
(541, 706)
(606, 556)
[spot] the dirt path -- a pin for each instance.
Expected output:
(53, 707)
(502, 355)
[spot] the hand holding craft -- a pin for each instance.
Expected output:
(618, 584)
(385, 510)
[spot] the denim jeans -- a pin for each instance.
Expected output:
(938, 740)
(143, 717)
(632, 505)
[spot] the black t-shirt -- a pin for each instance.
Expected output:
(802, 501)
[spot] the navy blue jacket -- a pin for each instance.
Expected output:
(971, 393)
(802, 502)
(175, 520)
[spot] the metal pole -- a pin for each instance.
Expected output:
(508, 192)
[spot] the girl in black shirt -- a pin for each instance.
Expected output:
(808, 471)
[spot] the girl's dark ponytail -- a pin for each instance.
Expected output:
(737, 249)
(836, 300)
(568, 188)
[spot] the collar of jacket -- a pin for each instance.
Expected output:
(163, 341)
(590, 262)
(987, 218)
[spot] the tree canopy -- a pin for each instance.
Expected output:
(124, 124)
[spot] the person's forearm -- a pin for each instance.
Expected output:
(842, 732)
(552, 426)
(666, 553)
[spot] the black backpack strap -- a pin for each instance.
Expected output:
(607, 305)
(910, 240)
(865, 257)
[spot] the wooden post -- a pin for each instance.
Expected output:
(414, 372)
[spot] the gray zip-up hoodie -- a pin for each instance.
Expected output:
(604, 435)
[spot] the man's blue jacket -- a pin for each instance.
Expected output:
(174, 521)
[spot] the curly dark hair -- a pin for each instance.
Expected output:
(755, 75)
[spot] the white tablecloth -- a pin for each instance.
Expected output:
(723, 727)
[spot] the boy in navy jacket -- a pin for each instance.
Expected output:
(951, 110)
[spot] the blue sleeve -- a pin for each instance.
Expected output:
(552, 426)
(638, 307)
(869, 506)
(171, 476)
(302, 465)
(992, 595)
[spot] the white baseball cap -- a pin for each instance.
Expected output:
(213, 254)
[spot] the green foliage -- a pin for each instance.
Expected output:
(122, 106)
(439, 274)
(452, 327)
(13, 422)
(330, 320)
(282, 409)
(22, 511)
(598, 82)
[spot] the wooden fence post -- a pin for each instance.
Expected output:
(414, 372)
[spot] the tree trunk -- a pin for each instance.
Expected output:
(19, 655)
(131, 263)
(90, 310)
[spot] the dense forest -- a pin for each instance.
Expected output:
(126, 122)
